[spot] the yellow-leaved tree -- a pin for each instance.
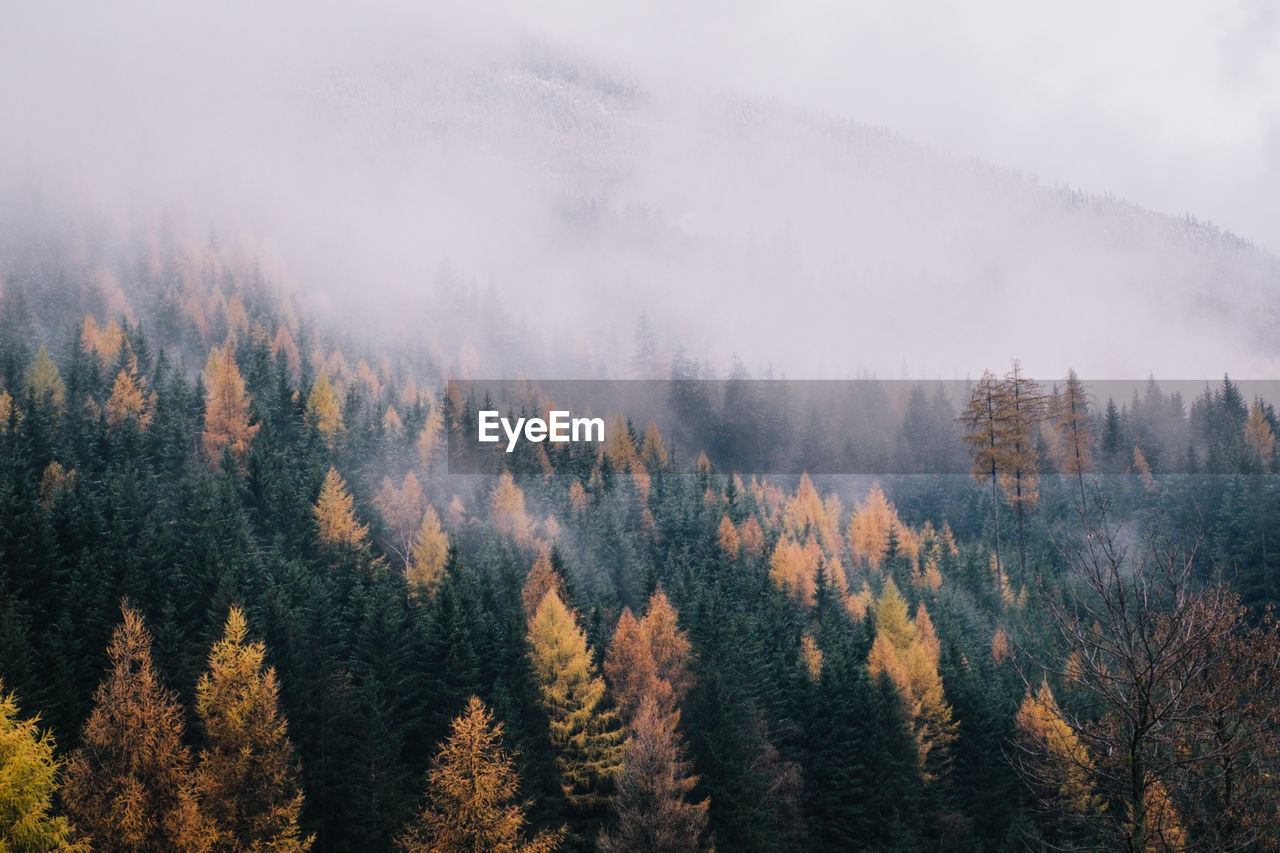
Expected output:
(728, 536)
(226, 409)
(429, 555)
(509, 516)
(584, 732)
(44, 382)
(323, 411)
(1054, 757)
(907, 650)
(28, 778)
(247, 777)
(871, 526)
(335, 514)
(128, 402)
(473, 795)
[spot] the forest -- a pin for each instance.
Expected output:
(246, 605)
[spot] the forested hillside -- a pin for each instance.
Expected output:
(245, 606)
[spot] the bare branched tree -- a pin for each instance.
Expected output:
(1171, 695)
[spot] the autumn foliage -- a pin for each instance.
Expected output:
(473, 795)
(226, 412)
(248, 776)
(130, 786)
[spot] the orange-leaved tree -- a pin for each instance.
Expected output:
(129, 787)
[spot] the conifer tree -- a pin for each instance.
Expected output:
(584, 733)
(28, 778)
(1074, 449)
(127, 402)
(1055, 757)
(1000, 424)
(542, 578)
(751, 537)
(908, 652)
(401, 509)
(653, 452)
(129, 787)
(727, 535)
(1259, 437)
(429, 438)
(507, 505)
(336, 515)
(247, 777)
(323, 411)
(984, 432)
(632, 670)
(1021, 410)
(44, 382)
(652, 789)
(870, 527)
(226, 413)
(472, 795)
(429, 555)
(668, 644)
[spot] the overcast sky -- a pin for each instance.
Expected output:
(1173, 105)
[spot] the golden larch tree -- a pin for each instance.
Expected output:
(811, 656)
(506, 503)
(129, 787)
(751, 537)
(653, 451)
(428, 442)
(28, 778)
(1258, 435)
(669, 645)
(6, 411)
(247, 776)
(870, 526)
(44, 382)
(335, 514)
(619, 447)
(908, 652)
(128, 402)
(226, 409)
(1000, 647)
(577, 497)
(429, 554)
(632, 671)
(1073, 445)
(1053, 756)
(392, 423)
(323, 411)
(649, 657)
(984, 429)
(806, 513)
(727, 534)
(103, 341)
(585, 734)
(284, 343)
(56, 482)
(473, 795)
(542, 579)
